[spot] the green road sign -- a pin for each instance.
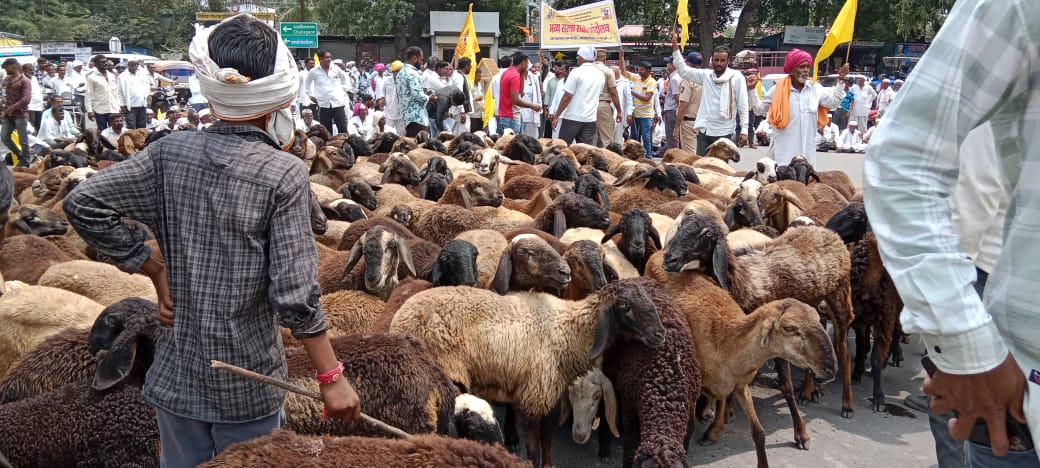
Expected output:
(301, 35)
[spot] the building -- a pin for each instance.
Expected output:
(445, 27)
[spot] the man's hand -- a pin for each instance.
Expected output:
(991, 395)
(742, 141)
(617, 118)
(341, 400)
(462, 118)
(90, 115)
(553, 120)
(677, 135)
(844, 70)
(675, 42)
(314, 99)
(630, 119)
(536, 107)
(122, 110)
(157, 273)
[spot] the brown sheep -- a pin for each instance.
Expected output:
(877, 305)
(284, 448)
(27, 258)
(809, 263)
(838, 180)
(677, 155)
(350, 312)
(517, 170)
(522, 187)
(539, 201)
(826, 193)
(781, 202)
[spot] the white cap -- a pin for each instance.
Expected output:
(900, 82)
(76, 63)
(204, 112)
(587, 52)
(337, 61)
(853, 123)
(886, 81)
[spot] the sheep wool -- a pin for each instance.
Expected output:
(32, 313)
(101, 282)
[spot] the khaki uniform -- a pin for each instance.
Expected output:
(605, 110)
(690, 93)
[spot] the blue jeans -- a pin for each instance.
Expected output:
(189, 442)
(981, 456)
(643, 125)
(506, 122)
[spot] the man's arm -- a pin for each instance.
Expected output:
(99, 209)
(911, 167)
(695, 75)
(564, 102)
(294, 289)
(742, 105)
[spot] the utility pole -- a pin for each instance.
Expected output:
(302, 7)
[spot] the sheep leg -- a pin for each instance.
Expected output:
(604, 437)
(783, 374)
(533, 426)
(809, 391)
(878, 358)
(546, 439)
(711, 436)
(862, 347)
(758, 434)
(512, 438)
(841, 311)
(897, 354)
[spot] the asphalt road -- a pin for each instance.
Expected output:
(896, 438)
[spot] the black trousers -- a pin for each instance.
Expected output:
(136, 117)
(329, 114)
(704, 141)
(573, 131)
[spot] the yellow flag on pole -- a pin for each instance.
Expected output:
(316, 59)
(468, 46)
(489, 104)
(840, 33)
(683, 11)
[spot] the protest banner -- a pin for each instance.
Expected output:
(594, 24)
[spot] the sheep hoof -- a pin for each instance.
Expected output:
(707, 440)
(810, 395)
(801, 441)
(846, 412)
(897, 361)
(879, 403)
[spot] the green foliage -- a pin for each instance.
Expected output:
(879, 20)
(361, 18)
(44, 19)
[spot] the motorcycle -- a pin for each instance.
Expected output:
(163, 98)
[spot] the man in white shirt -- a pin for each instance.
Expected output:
(360, 123)
(580, 102)
(531, 121)
(328, 82)
(114, 130)
(724, 97)
(851, 140)
(624, 91)
(561, 71)
(134, 86)
(394, 121)
(157, 79)
(59, 83)
(57, 131)
(379, 90)
(827, 136)
(152, 121)
(461, 114)
(431, 76)
(885, 96)
(77, 82)
(863, 98)
(102, 93)
(306, 120)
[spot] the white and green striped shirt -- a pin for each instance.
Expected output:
(983, 66)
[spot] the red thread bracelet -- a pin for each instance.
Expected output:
(330, 376)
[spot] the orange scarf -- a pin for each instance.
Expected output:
(780, 109)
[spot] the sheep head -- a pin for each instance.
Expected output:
(850, 222)
(744, 210)
(319, 222)
(582, 401)
(359, 190)
(803, 170)
(402, 214)
(689, 173)
(383, 251)
(791, 329)
(474, 420)
(765, 171)
(589, 185)
(456, 265)
(399, 169)
(699, 244)
(530, 263)
(561, 169)
(385, 143)
(571, 210)
(589, 267)
(523, 148)
(667, 177)
(779, 206)
(633, 150)
(433, 186)
(437, 165)
(724, 149)
(37, 221)
(626, 310)
(359, 146)
(635, 171)
(469, 190)
(343, 210)
(639, 238)
(123, 335)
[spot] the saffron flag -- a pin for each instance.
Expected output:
(489, 105)
(841, 32)
(316, 59)
(683, 10)
(468, 46)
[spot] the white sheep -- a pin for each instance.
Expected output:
(30, 314)
(615, 257)
(101, 282)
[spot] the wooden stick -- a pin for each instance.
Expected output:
(848, 52)
(302, 391)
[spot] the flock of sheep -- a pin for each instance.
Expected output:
(467, 271)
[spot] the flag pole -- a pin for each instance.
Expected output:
(848, 52)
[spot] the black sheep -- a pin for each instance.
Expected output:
(590, 185)
(433, 185)
(850, 222)
(359, 146)
(803, 170)
(359, 190)
(456, 265)
(667, 177)
(435, 145)
(639, 240)
(385, 143)
(439, 165)
(523, 148)
(561, 169)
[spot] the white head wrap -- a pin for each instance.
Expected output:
(234, 97)
(587, 52)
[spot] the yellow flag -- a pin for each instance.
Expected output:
(159, 115)
(468, 46)
(840, 33)
(683, 11)
(489, 105)
(316, 58)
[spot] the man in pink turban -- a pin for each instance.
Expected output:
(797, 107)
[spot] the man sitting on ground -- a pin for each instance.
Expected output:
(114, 130)
(851, 140)
(58, 131)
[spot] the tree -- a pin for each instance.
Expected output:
(45, 20)
(880, 20)
(740, 33)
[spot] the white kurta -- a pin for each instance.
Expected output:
(799, 137)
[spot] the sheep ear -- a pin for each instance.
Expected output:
(611, 232)
(329, 212)
(509, 162)
(749, 175)
(720, 263)
(435, 274)
(355, 254)
(546, 199)
(386, 175)
(117, 363)
(654, 235)
(376, 187)
(609, 404)
(451, 177)
(467, 202)
(792, 199)
(565, 408)
(599, 345)
(423, 190)
(611, 274)
(405, 254)
(559, 222)
(500, 283)
(604, 198)
(730, 217)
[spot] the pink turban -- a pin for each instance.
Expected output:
(795, 58)
(358, 108)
